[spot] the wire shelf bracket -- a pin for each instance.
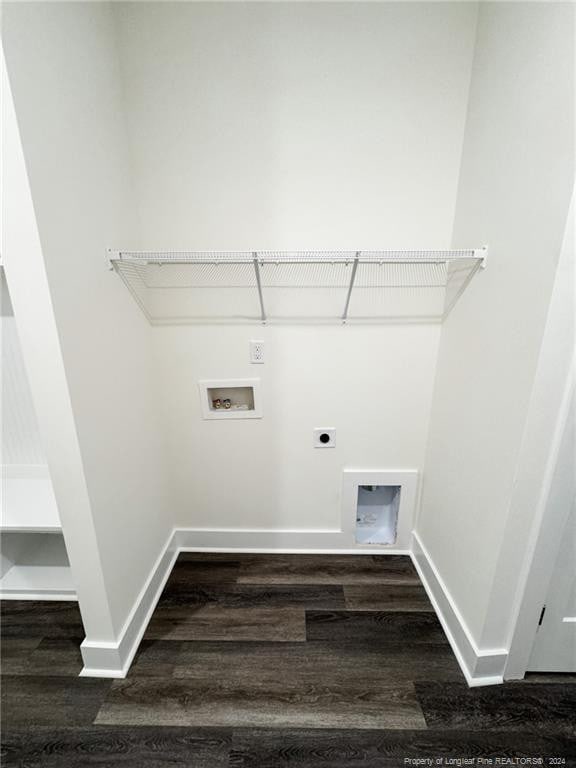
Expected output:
(179, 287)
(259, 285)
(349, 294)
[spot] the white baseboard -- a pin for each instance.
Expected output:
(287, 541)
(40, 596)
(479, 666)
(114, 659)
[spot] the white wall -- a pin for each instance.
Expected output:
(66, 84)
(295, 126)
(374, 385)
(514, 192)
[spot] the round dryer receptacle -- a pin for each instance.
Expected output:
(324, 437)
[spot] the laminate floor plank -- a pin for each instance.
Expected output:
(559, 678)
(41, 700)
(214, 622)
(312, 664)
(382, 626)
(320, 596)
(265, 661)
(536, 707)
(220, 703)
(386, 597)
(54, 656)
(327, 569)
(28, 618)
(155, 658)
(213, 557)
(15, 653)
(108, 747)
(346, 748)
(204, 572)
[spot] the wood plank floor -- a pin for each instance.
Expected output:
(270, 661)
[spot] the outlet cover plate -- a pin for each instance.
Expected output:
(256, 352)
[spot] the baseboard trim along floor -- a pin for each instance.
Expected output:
(479, 666)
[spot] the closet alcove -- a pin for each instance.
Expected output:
(175, 172)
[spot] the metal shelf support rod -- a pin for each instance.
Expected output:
(350, 286)
(259, 284)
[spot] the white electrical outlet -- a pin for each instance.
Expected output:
(256, 351)
(324, 437)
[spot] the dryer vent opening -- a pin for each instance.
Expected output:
(377, 514)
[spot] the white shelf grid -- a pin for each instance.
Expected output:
(315, 286)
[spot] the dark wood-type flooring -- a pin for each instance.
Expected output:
(267, 661)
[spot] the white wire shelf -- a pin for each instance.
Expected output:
(178, 287)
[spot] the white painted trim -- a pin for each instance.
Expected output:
(479, 666)
(251, 531)
(116, 674)
(258, 540)
(114, 659)
(299, 551)
(43, 596)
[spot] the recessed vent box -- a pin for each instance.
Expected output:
(378, 508)
(377, 514)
